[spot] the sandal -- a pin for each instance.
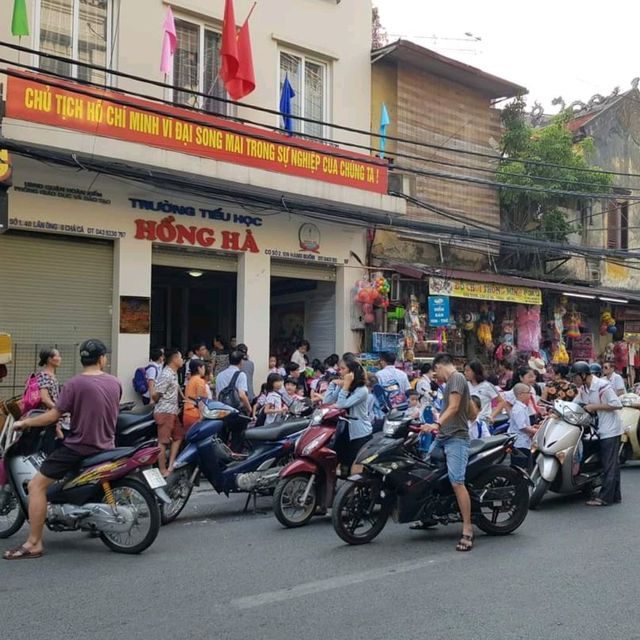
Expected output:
(22, 553)
(596, 502)
(465, 543)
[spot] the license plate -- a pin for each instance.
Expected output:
(154, 478)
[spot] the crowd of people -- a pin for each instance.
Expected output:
(453, 406)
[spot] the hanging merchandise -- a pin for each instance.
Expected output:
(529, 331)
(620, 356)
(369, 294)
(607, 323)
(412, 328)
(560, 354)
(485, 327)
(572, 324)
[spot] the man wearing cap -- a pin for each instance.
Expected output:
(599, 397)
(93, 400)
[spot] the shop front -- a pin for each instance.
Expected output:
(90, 255)
(494, 318)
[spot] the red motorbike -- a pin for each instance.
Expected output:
(307, 485)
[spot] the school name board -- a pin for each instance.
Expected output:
(121, 117)
(484, 291)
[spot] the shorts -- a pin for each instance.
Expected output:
(61, 462)
(169, 428)
(456, 451)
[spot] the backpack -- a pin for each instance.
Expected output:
(140, 383)
(31, 397)
(229, 395)
(395, 396)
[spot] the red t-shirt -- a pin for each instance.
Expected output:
(94, 404)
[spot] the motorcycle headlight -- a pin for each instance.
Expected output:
(390, 427)
(214, 414)
(313, 445)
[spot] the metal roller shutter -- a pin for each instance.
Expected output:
(54, 290)
(302, 270)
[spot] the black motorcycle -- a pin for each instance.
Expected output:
(398, 480)
(135, 426)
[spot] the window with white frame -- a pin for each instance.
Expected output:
(196, 67)
(309, 80)
(78, 29)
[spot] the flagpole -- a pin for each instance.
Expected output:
(250, 12)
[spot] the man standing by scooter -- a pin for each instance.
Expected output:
(453, 438)
(600, 398)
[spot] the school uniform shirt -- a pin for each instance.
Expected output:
(518, 422)
(273, 401)
(601, 392)
(152, 372)
(532, 405)
(478, 429)
(392, 375)
(617, 382)
(486, 392)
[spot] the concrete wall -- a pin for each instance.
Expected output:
(338, 34)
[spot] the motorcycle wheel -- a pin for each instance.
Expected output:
(179, 488)
(625, 453)
(11, 516)
(358, 513)
(133, 493)
(488, 517)
(287, 505)
(540, 487)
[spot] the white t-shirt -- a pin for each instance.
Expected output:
(392, 375)
(298, 358)
(486, 392)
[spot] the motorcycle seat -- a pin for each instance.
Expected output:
(475, 447)
(108, 456)
(128, 419)
(271, 434)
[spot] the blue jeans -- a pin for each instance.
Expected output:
(456, 451)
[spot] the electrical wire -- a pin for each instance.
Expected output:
(375, 134)
(329, 152)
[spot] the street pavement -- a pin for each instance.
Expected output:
(569, 572)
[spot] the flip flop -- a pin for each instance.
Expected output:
(22, 553)
(596, 502)
(465, 544)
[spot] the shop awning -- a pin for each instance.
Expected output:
(522, 289)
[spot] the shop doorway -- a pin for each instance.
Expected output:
(302, 308)
(191, 305)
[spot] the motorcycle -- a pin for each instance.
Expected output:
(135, 426)
(565, 450)
(398, 481)
(206, 453)
(111, 494)
(630, 415)
(307, 484)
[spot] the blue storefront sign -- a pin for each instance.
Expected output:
(438, 311)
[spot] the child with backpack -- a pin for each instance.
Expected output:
(145, 378)
(274, 406)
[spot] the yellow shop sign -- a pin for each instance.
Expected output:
(484, 291)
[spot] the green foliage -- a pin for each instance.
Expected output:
(538, 211)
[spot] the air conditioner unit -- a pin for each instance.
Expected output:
(401, 183)
(594, 276)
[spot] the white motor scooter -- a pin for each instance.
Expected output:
(565, 450)
(630, 416)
